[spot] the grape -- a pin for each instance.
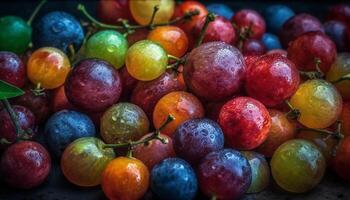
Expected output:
(142, 11)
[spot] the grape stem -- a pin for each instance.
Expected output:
(99, 24)
(293, 113)
(244, 34)
(35, 12)
(155, 10)
(343, 78)
(318, 74)
(209, 18)
(155, 136)
(38, 90)
(336, 134)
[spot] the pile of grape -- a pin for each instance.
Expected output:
(177, 99)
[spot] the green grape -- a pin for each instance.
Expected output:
(297, 166)
(15, 34)
(146, 60)
(107, 45)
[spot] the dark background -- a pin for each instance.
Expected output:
(57, 188)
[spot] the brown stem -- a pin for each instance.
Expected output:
(210, 17)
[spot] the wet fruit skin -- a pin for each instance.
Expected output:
(246, 18)
(125, 178)
(107, 45)
(337, 31)
(310, 46)
(142, 11)
(345, 119)
(146, 94)
(245, 123)
(146, 60)
(190, 6)
(281, 131)
(260, 171)
(181, 105)
(60, 101)
(38, 104)
(171, 38)
(93, 85)
(220, 29)
(276, 15)
(15, 34)
(195, 138)
(58, 29)
(154, 152)
(272, 79)
(339, 68)
(253, 47)
(123, 122)
(48, 67)
(319, 103)
(298, 25)
(84, 160)
(174, 179)
(26, 121)
(341, 161)
(324, 144)
(64, 127)
(12, 69)
(310, 161)
(225, 174)
(226, 67)
(110, 11)
(25, 165)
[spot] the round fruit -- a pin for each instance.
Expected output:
(337, 31)
(58, 29)
(341, 161)
(181, 105)
(128, 83)
(214, 71)
(340, 12)
(305, 49)
(271, 41)
(281, 131)
(276, 15)
(60, 101)
(221, 10)
(48, 67)
(318, 102)
(195, 138)
(25, 165)
(146, 94)
(84, 160)
(12, 69)
(142, 11)
(190, 6)
(125, 178)
(298, 25)
(272, 79)
(225, 174)
(345, 119)
(174, 179)
(123, 122)
(309, 161)
(64, 127)
(247, 19)
(93, 85)
(107, 45)
(110, 11)
(253, 47)
(339, 68)
(260, 171)
(15, 34)
(146, 60)
(154, 152)
(245, 123)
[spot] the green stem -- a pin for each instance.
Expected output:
(293, 113)
(336, 134)
(343, 78)
(35, 12)
(173, 57)
(38, 91)
(210, 17)
(13, 116)
(155, 10)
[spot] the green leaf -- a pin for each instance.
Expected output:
(9, 91)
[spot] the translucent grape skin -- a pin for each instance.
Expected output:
(214, 71)
(123, 122)
(245, 123)
(195, 138)
(12, 69)
(146, 94)
(318, 102)
(107, 45)
(225, 174)
(308, 47)
(250, 19)
(310, 161)
(272, 79)
(260, 171)
(339, 68)
(174, 179)
(93, 85)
